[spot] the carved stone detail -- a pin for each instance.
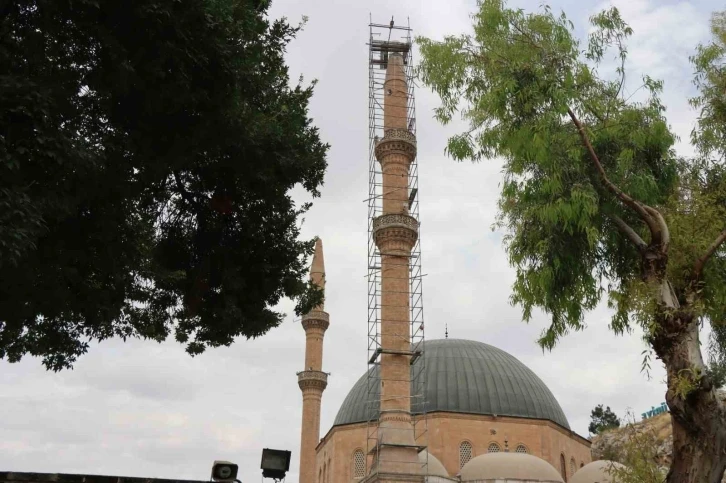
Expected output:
(400, 416)
(395, 241)
(317, 314)
(316, 319)
(404, 134)
(395, 219)
(398, 141)
(395, 233)
(312, 380)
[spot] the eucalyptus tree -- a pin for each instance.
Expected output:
(595, 201)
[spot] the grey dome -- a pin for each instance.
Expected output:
(596, 472)
(509, 466)
(465, 376)
(435, 467)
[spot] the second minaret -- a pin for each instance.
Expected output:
(312, 380)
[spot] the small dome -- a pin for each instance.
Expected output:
(435, 466)
(514, 466)
(595, 472)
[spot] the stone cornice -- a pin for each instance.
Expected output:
(395, 219)
(395, 233)
(397, 416)
(317, 319)
(480, 417)
(312, 380)
(397, 133)
(396, 141)
(505, 419)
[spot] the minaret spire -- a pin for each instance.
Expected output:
(317, 267)
(313, 380)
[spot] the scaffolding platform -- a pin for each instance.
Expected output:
(417, 447)
(414, 355)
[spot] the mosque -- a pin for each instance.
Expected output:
(426, 410)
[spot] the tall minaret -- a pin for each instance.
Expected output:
(395, 233)
(312, 380)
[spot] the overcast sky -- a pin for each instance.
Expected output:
(144, 409)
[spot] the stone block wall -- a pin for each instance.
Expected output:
(446, 432)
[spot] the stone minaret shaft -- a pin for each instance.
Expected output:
(395, 233)
(312, 380)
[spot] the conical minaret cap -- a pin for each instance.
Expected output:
(317, 268)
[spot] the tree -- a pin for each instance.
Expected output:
(147, 152)
(708, 138)
(641, 452)
(602, 420)
(594, 198)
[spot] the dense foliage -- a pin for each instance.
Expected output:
(595, 201)
(147, 150)
(709, 137)
(602, 420)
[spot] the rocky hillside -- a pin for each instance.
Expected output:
(654, 435)
(610, 444)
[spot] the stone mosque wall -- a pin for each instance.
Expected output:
(446, 433)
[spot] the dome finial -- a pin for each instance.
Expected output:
(446, 333)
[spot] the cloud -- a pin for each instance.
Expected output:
(655, 50)
(144, 409)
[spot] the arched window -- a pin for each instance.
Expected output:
(359, 464)
(582, 464)
(521, 449)
(325, 472)
(320, 475)
(573, 466)
(493, 448)
(466, 451)
(563, 467)
(327, 480)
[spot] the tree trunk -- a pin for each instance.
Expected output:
(699, 418)
(695, 455)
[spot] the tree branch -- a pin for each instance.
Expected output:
(629, 232)
(622, 67)
(626, 199)
(665, 234)
(593, 111)
(183, 191)
(701, 262)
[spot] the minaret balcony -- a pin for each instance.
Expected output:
(395, 233)
(396, 141)
(312, 380)
(316, 319)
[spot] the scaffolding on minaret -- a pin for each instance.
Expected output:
(386, 40)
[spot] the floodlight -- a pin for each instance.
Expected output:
(275, 463)
(224, 471)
